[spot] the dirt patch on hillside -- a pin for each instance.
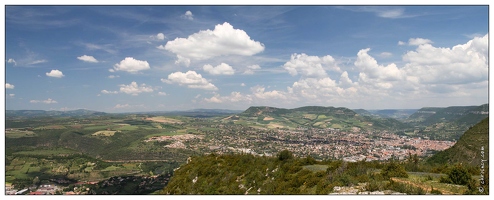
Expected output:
(268, 118)
(105, 133)
(164, 120)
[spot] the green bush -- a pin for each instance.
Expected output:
(457, 175)
(404, 188)
(393, 169)
(374, 186)
(285, 155)
(309, 160)
(332, 166)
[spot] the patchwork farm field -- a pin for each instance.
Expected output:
(164, 120)
(92, 148)
(50, 127)
(104, 133)
(19, 133)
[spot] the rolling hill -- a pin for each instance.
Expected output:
(399, 114)
(315, 117)
(446, 123)
(468, 149)
(468, 115)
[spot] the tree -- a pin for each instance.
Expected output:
(285, 155)
(309, 160)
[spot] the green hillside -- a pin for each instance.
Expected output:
(399, 114)
(423, 114)
(248, 174)
(286, 174)
(362, 112)
(314, 117)
(474, 115)
(468, 149)
(459, 114)
(446, 123)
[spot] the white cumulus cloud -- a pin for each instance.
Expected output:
(259, 92)
(131, 65)
(214, 99)
(55, 73)
(9, 86)
(418, 41)
(47, 101)
(188, 15)
(87, 58)
(191, 79)
(11, 60)
(232, 98)
(223, 40)
(162, 47)
(222, 69)
(134, 89)
(464, 63)
(160, 36)
(162, 93)
(310, 66)
(368, 65)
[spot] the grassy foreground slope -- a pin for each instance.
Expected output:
(286, 174)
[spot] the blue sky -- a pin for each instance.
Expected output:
(157, 58)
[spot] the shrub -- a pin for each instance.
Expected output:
(333, 166)
(459, 175)
(393, 169)
(285, 155)
(374, 186)
(309, 160)
(404, 188)
(377, 177)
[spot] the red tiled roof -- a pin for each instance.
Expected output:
(36, 193)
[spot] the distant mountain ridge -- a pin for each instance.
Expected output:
(51, 113)
(258, 110)
(317, 117)
(84, 112)
(459, 114)
(399, 114)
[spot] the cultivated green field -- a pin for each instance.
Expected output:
(19, 134)
(48, 152)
